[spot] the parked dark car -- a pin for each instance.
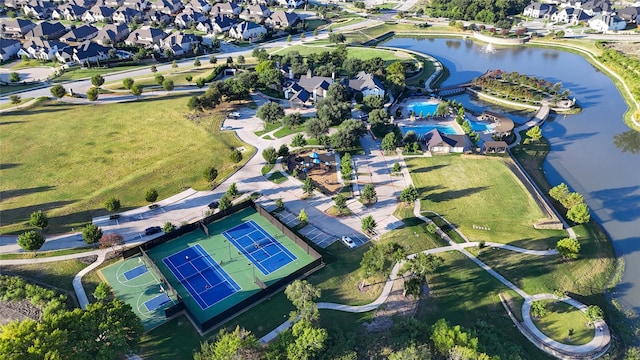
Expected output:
(213, 205)
(152, 230)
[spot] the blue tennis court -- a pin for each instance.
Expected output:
(265, 252)
(205, 280)
(157, 302)
(135, 272)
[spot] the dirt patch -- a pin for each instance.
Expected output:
(18, 311)
(396, 305)
(321, 169)
(627, 48)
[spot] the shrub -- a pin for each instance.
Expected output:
(210, 174)
(31, 240)
(168, 227)
(235, 156)
(39, 219)
(112, 204)
(151, 195)
(91, 234)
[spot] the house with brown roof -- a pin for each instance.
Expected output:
(15, 28)
(39, 48)
(226, 8)
(98, 13)
(255, 13)
(316, 86)
(146, 36)
(367, 84)
(282, 20)
(69, 12)
(112, 34)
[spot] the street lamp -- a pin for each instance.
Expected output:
(253, 267)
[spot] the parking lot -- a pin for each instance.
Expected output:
(318, 236)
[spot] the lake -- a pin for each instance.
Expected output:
(583, 152)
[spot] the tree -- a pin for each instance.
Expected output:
(409, 194)
(337, 92)
(316, 127)
(559, 192)
(315, 32)
(154, 69)
(594, 313)
(298, 140)
(241, 59)
(302, 216)
(225, 202)
(31, 240)
(340, 202)
(412, 352)
(270, 155)
(167, 84)
(337, 38)
(200, 82)
(197, 63)
(396, 167)
(534, 134)
(333, 111)
(213, 59)
(424, 264)
(127, 83)
(270, 112)
(568, 248)
(389, 142)
(159, 79)
(174, 64)
(308, 186)
(446, 337)
(288, 38)
(229, 60)
(283, 151)
(309, 341)
(579, 214)
(39, 219)
(58, 91)
(235, 156)
(189, 78)
(112, 204)
(292, 120)
(15, 99)
(91, 233)
(92, 94)
(280, 203)
(232, 191)
(168, 227)
(97, 80)
(136, 90)
(374, 102)
(368, 194)
(14, 77)
(103, 292)
(238, 344)
(151, 195)
(302, 295)
(368, 224)
(111, 240)
(572, 200)
(210, 174)
(538, 309)
(348, 134)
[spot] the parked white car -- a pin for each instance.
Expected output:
(348, 242)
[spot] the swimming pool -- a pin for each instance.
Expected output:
(423, 107)
(480, 126)
(422, 129)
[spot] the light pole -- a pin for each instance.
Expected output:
(253, 267)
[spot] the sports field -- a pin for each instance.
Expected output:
(214, 272)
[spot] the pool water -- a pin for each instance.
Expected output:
(480, 126)
(423, 108)
(420, 130)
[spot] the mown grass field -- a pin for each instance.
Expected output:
(68, 159)
(565, 324)
(178, 77)
(480, 191)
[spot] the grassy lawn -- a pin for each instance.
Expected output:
(334, 211)
(29, 63)
(311, 25)
(46, 253)
(464, 294)
(178, 77)
(277, 177)
(345, 22)
(265, 169)
(67, 159)
(480, 191)
(564, 323)
(268, 127)
(5, 89)
(58, 274)
(445, 227)
(427, 70)
(10, 105)
(584, 277)
(285, 131)
(80, 73)
(176, 339)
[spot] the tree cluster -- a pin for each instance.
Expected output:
(577, 210)
(520, 86)
(484, 11)
(345, 166)
(15, 288)
(380, 257)
(628, 67)
(348, 134)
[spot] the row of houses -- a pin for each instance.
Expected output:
(598, 14)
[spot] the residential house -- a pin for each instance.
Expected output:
(630, 14)
(316, 86)
(438, 142)
(222, 24)
(298, 96)
(247, 31)
(226, 8)
(146, 36)
(570, 15)
(90, 52)
(47, 30)
(98, 13)
(205, 26)
(606, 22)
(38, 48)
(188, 17)
(199, 5)
(594, 7)
(39, 10)
(15, 28)
(179, 43)
(113, 3)
(140, 5)
(367, 84)
(263, 2)
(82, 33)
(158, 17)
(9, 48)
(82, 3)
(127, 15)
(69, 12)
(169, 7)
(282, 20)
(15, 4)
(112, 34)
(255, 13)
(65, 55)
(291, 4)
(537, 10)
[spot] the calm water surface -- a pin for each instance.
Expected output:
(583, 152)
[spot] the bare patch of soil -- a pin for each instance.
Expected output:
(626, 47)
(397, 304)
(18, 310)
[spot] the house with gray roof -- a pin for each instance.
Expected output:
(255, 13)
(247, 31)
(537, 10)
(441, 143)
(630, 14)
(98, 13)
(9, 48)
(179, 43)
(39, 10)
(146, 36)
(226, 8)
(82, 33)
(90, 52)
(112, 34)
(47, 30)
(68, 12)
(127, 15)
(169, 7)
(570, 15)
(39, 48)
(316, 86)
(15, 28)
(607, 22)
(367, 84)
